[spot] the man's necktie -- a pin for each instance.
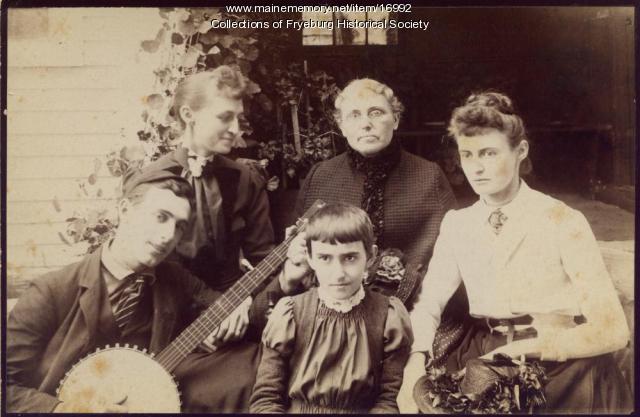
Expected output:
(124, 302)
(496, 220)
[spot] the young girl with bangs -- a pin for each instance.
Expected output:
(337, 348)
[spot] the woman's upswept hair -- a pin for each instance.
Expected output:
(357, 86)
(340, 223)
(484, 111)
(195, 89)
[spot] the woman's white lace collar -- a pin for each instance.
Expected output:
(341, 306)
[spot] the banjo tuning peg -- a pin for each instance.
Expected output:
(117, 345)
(126, 345)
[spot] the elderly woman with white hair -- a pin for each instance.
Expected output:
(405, 196)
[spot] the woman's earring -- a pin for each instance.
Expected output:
(365, 276)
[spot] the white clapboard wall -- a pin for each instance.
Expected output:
(75, 89)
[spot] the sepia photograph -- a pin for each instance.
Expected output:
(319, 208)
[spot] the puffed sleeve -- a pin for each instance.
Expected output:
(398, 338)
(280, 332)
(397, 330)
(606, 328)
(278, 340)
(440, 282)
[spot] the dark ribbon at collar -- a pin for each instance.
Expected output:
(376, 170)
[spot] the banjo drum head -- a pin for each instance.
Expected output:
(121, 375)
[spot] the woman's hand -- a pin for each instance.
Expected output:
(273, 183)
(529, 348)
(232, 328)
(413, 370)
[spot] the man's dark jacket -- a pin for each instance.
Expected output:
(57, 321)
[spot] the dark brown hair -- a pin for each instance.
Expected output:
(180, 187)
(484, 111)
(490, 110)
(340, 223)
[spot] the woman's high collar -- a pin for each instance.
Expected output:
(385, 159)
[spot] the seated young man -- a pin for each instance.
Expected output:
(67, 314)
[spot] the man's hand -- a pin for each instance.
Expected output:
(232, 328)
(296, 267)
(412, 372)
(85, 407)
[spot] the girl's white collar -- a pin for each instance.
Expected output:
(341, 306)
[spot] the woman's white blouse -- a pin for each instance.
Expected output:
(545, 260)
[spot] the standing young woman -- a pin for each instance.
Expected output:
(532, 270)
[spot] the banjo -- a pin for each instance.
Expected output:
(142, 381)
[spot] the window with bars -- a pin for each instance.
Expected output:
(348, 28)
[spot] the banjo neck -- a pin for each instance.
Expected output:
(198, 331)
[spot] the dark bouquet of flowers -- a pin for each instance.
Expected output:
(387, 271)
(502, 385)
